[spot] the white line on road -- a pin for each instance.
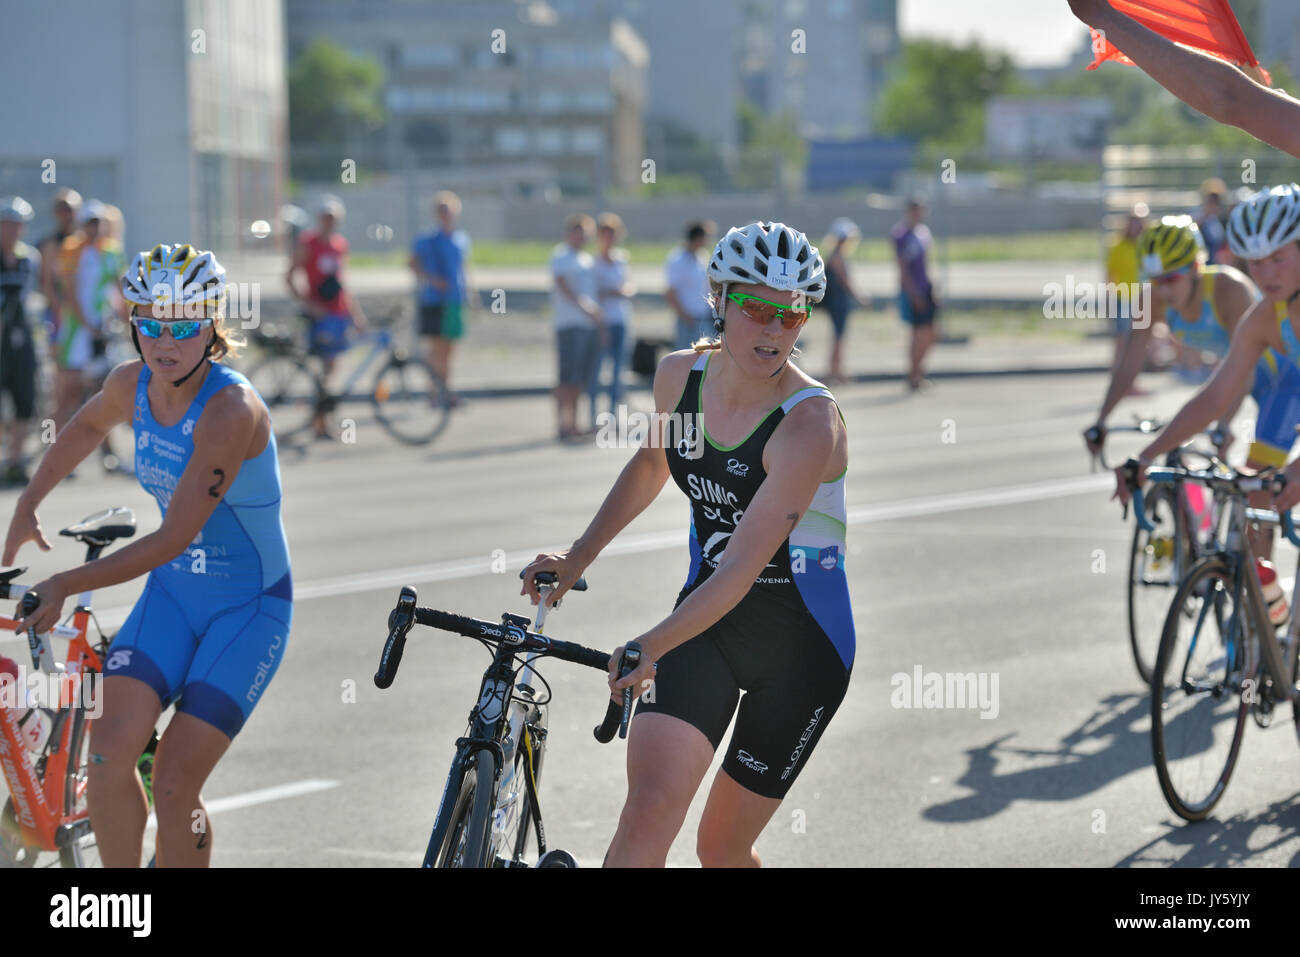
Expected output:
(653, 541)
(277, 793)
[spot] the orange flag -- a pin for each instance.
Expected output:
(1207, 25)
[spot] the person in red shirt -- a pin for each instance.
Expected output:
(321, 255)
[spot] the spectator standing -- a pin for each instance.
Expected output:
(1210, 220)
(321, 255)
(614, 293)
(688, 286)
(916, 301)
(20, 272)
(1122, 273)
(577, 320)
(840, 295)
(438, 259)
(66, 209)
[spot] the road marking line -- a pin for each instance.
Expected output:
(262, 796)
(653, 541)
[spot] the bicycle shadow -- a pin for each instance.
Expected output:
(1238, 840)
(1071, 771)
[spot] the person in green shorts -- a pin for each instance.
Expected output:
(438, 259)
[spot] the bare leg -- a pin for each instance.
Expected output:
(732, 821)
(187, 753)
(666, 760)
(115, 793)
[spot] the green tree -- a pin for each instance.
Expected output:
(938, 93)
(772, 151)
(334, 100)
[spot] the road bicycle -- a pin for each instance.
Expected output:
(1160, 557)
(490, 802)
(1220, 657)
(409, 399)
(46, 818)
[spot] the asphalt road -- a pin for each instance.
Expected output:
(974, 536)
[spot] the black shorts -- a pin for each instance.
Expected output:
(18, 368)
(792, 676)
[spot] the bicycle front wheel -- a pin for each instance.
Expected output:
(1155, 562)
(467, 841)
(291, 393)
(1198, 708)
(410, 400)
(83, 849)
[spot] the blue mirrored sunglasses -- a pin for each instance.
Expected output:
(180, 328)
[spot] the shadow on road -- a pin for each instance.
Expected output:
(1212, 843)
(1064, 774)
(1100, 750)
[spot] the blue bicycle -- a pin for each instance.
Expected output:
(410, 400)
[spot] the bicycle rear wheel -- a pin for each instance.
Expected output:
(291, 392)
(1198, 710)
(467, 840)
(410, 400)
(1156, 561)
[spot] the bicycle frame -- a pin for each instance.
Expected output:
(1255, 628)
(42, 810)
(501, 732)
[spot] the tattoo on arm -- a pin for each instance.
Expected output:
(215, 488)
(793, 518)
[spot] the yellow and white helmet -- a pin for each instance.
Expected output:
(174, 275)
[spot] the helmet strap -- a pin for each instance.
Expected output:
(202, 361)
(1292, 298)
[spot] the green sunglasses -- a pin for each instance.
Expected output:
(179, 328)
(764, 311)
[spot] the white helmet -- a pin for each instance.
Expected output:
(1266, 222)
(174, 275)
(769, 254)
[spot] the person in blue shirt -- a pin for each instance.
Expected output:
(438, 259)
(212, 625)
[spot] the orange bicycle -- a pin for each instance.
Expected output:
(46, 812)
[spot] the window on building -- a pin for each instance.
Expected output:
(512, 140)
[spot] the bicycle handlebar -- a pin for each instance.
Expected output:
(1236, 483)
(406, 614)
(619, 712)
(1097, 436)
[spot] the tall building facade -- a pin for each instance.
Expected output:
(178, 116)
(475, 85)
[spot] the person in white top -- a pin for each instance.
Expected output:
(577, 319)
(688, 286)
(614, 293)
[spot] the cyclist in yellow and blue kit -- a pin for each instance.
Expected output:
(1265, 231)
(212, 625)
(1202, 306)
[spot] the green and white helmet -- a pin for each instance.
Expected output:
(1266, 222)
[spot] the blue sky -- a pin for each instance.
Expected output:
(1035, 32)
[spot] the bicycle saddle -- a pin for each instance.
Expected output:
(103, 527)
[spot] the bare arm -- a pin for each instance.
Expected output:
(111, 406)
(1225, 388)
(1130, 364)
(640, 482)
(1206, 83)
